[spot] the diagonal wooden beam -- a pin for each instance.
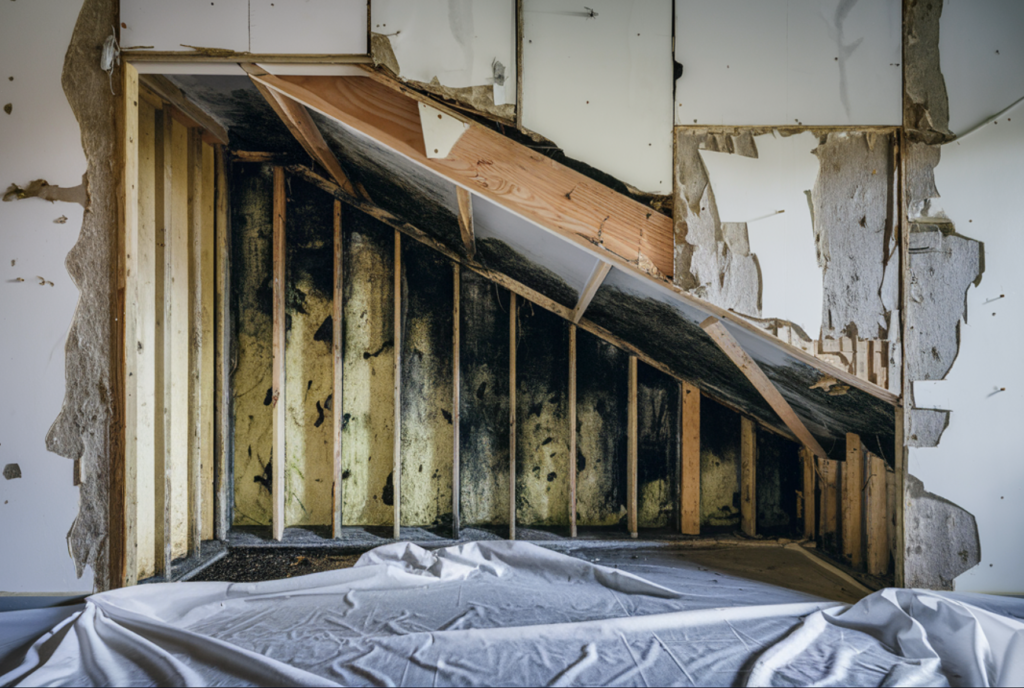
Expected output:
(466, 220)
(728, 344)
(301, 125)
(166, 90)
(593, 284)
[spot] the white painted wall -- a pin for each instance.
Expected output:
(979, 463)
(753, 190)
(39, 139)
(601, 88)
(453, 40)
(779, 62)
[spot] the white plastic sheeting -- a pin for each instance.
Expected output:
(507, 613)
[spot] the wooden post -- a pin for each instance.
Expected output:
(512, 417)
(280, 260)
(133, 315)
(195, 351)
(396, 475)
(337, 394)
(853, 494)
(223, 353)
(207, 306)
(456, 382)
(877, 532)
(689, 474)
(748, 476)
(828, 471)
(631, 452)
(807, 496)
(572, 430)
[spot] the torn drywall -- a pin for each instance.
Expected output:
(40, 188)
(942, 265)
(927, 426)
(925, 104)
(854, 217)
(941, 539)
(86, 429)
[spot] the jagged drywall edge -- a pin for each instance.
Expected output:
(925, 103)
(941, 539)
(86, 428)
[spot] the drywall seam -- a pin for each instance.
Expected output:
(85, 429)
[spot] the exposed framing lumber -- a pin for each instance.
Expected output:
(466, 221)
(296, 118)
(195, 351)
(207, 306)
(807, 495)
(519, 64)
(632, 439)
(279, 271)
(338, 393)
(748, 476)
(731, 348)
(396, 478)
(593, 284)
(572, 430)
(167, 91)
(163, 469)
(499, 278)
(512, 317)
(231, 56)
(828, 471)
(875, 506)
(222, 326)
(124, 498)
(853, 495)
(456, 402)
(480, 147)
(689, 474)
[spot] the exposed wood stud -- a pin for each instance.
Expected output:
(456, 404)
(728, 344)
(466, 220)
(572, 430)
(593, 284)
(853, 495)
(167, 342)
(632, 430)
(206, 308)
(278, 400)
(396, 476)
(748, 476)
(807, 495)
(196, 344)
(223, 354)
(512, 313)
(828, 471)
(337, 394)
(875, 503)
(166, 90)
(126, 480)
(232, 57)
(689, 489)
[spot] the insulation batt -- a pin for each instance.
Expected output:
(511, 613)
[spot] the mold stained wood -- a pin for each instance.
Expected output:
(368, 330)
(658, 451)
(542, 414)
(426, 400)
(719, 467)
(484, 399)
(252, 266)
(309, 287)
(601, 410)
(663, 332)
(779, 476)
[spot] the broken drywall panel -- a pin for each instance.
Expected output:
(942, 265)
(712, 264)
(459, 49)
(40, 188)
(925, 103)
(539, 259)
(764, 185)
(981, 37)
(160, 25)
(976, 465)
(815, 62)
(542, 417)
(926, 426)
(483, 402)
(441, 131)
(308, 27)
(853, 203)
(601, 85)
(941, 539)
(427, 439)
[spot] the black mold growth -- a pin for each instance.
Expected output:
(719, 467)
(658, 448)
(779, 477)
